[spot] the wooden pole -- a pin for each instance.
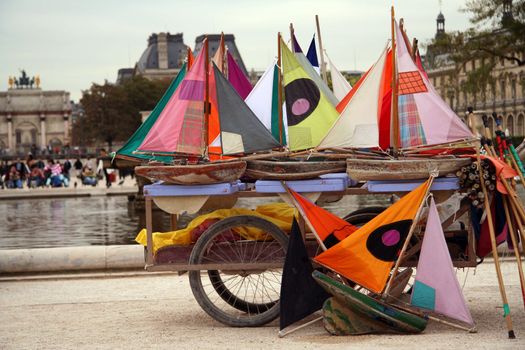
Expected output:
(515, 244)
(292, 37)
(280, 89)
(407, 240)
(284, 333)
(321, 51)
(303, 214)
(207, 96)
(394, 115)
(223, 54)
(190, 61)
(149, 231)
(506, 308)
(520, 221)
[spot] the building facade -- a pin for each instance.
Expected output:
(166, 53)
(32, 119)
(503, 93)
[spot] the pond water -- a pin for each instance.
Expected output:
(105, 220)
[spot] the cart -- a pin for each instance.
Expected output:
(235, 266)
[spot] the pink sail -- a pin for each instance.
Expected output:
(237, 78)
(436, 287)
(439, 122)
(179, 127)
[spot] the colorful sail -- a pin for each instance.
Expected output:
(340, 85)
(428, 117)
(367, 255)
(330, 228)
(436, 287)
(126, 151)
(357, 126)
(309, 113)
(263, 100)
(179, 127)
(305, 64)
(237, 78)
(240, 129)
(300, 294)
(423, 117)
(312, 56)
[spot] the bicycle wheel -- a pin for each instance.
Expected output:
(239, 298)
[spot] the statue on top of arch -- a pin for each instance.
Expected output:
(24, 81)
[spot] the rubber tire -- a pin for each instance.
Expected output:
(195, 276)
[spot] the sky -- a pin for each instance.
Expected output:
(71, 44)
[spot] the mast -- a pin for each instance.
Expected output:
(321, 52)
(188, 53)
(279, 88)
(223, 53)
(292, 36)
(395, 118)
(206, 96)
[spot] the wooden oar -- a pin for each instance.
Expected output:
(488, 212)
(515, 244)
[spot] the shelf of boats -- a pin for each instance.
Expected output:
(176, 199)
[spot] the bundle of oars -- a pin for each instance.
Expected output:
(514, 215)
(470, 178)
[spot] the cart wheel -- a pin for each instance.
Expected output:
(363, 215)
(239, 298)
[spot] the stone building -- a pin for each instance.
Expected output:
(33, 119)
(166, 53)
(504, 94)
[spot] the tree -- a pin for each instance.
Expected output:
(500, 30)
(112, 112)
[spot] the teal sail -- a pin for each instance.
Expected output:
(126, 152)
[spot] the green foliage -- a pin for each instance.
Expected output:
(112, 112)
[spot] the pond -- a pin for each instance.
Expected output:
(104, 220)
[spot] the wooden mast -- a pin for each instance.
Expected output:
(223, 54)
(279, 89)
(292, 37)
(321, 52)
(394, 115)
(206, 96)
(188, 65)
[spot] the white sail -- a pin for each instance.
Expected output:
(357, 125)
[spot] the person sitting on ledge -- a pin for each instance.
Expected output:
(88, 176)
(13, 179)
(36, 177)
(56, 179)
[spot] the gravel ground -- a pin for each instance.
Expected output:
(158, 311)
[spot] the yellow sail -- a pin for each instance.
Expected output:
(309, 113)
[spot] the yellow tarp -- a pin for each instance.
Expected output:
(280, 214)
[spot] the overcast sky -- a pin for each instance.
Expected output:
(71, 44)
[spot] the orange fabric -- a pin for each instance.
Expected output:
(191, 58)
(411, 83)
(324, 222)
(214, 127)
(342, 104)
(385, 103)
(351, 257)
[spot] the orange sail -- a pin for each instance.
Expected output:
(330, 228)
(367, 255)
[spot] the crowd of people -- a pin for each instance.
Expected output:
(34, 172)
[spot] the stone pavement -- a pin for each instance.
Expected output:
(157, 311)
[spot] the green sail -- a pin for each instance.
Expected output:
(126, 152)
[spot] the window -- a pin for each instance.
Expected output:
(510, 124)
(519, 127)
